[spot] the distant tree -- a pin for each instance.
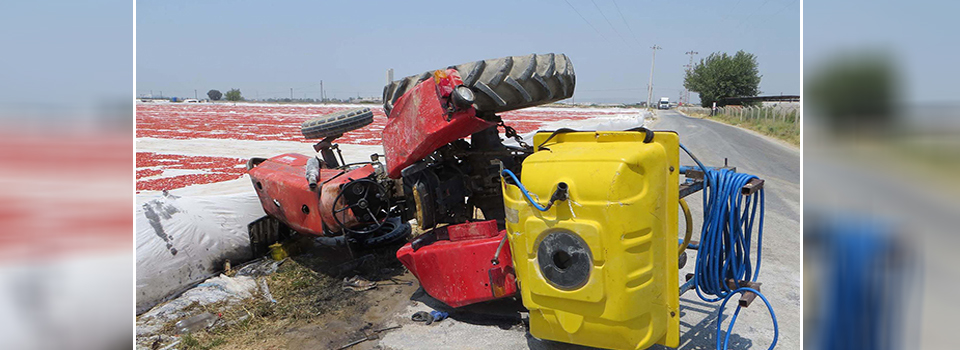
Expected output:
(856, 91)
(234, 95)
(721, 75)
(215, 95)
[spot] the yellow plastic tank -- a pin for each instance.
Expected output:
(599, 269)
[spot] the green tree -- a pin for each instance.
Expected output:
(721, 75)
(856, 91)
(215, 95)
(234, 95)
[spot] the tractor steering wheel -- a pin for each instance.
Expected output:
(374, 209)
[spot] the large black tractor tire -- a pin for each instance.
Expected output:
(392, 230)
(335, 124)
(503, 84)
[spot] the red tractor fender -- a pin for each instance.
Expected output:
(420, 124)
(458, 269)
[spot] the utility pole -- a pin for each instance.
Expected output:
(195, 94)
(689, 67)
(291, 93)
(650, 84)
(322, 97)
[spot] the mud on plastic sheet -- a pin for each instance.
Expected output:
(184, 240)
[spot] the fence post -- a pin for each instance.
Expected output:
(796, 118)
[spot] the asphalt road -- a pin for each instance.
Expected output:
(711, 142)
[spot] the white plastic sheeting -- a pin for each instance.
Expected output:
(182, 240)
(213, 290)
(81, 301)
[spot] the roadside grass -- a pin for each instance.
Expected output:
(191, 343)
(781, 129)
(784, 129)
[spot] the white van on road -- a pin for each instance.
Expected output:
(664, 103)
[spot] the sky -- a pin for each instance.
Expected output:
(919, 36)
(55, 54)
(266, 48)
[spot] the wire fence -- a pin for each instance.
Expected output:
(789, 113)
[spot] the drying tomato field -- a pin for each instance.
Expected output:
(226, 123)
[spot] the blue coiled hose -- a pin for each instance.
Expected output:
(725, 241)
(725, 238)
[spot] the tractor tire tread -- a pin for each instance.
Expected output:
(529, 81)
(335, 124)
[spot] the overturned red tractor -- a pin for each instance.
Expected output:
(432, 173)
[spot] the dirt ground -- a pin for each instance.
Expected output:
(313, 310)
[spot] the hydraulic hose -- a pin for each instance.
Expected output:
(560, 194)
(694, 159)
(725, 241)
(689, 227)
(726, 339)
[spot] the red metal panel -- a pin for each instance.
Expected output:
(460, 273)
(472, 230)
(419, 124)
(281, 184)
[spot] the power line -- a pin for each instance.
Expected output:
(585, 20)
(634, 36)
(730, 14)
(608, 21)
(751, 14)
(624, 89)
(784, 8)
(767, 19)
